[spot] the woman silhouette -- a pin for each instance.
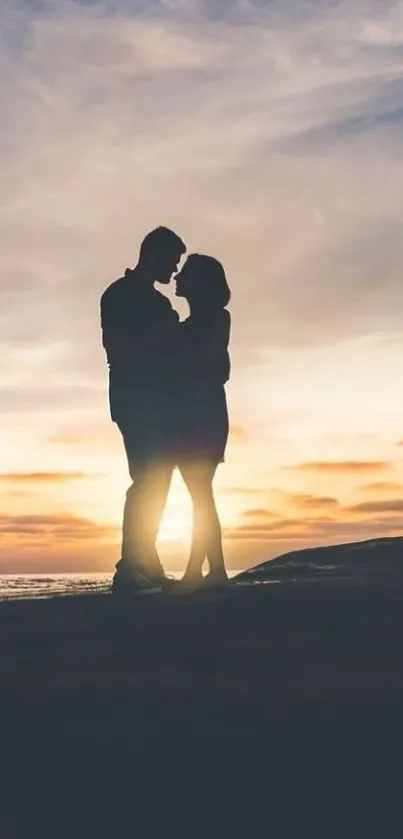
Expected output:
(201, 415)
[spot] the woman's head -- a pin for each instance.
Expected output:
(202, 282)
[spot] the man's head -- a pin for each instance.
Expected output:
(160, 254)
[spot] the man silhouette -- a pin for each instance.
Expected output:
(138, 323)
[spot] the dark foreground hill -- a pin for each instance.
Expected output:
(360, 560)
(278, 703)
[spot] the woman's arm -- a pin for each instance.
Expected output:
(205, 350)
(217, 340)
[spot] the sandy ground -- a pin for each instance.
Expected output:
(123, 719)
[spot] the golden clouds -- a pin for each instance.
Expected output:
(40, 477)
(258, 513)
(347, 466)
(238, 435)
(310, 501)
(382, 486)
(389, 506)
(64, 527)
(314, 531)
(243, 490)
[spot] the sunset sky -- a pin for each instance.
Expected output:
(268, 134)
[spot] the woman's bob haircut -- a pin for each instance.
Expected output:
(207, 286)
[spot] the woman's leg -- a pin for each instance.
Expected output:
(194, 482)
(207, 536)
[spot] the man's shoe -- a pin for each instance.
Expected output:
(134, 583)
(169, 583)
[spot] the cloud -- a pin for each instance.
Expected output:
(238, 435)
(243, 490)
(389, 506)
(342, 466)
(311, 501)
(65, 439)
(64, 527)
(316, 531)
(41, 477)
(121, 91)
(49, 399)
(138, 102)
(272, 527)
(261, 514)
(382, 486)
(90, 431)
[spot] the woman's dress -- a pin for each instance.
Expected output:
(200, 413)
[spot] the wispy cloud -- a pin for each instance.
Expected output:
(259, 513)
(315, 531)
(49, 527)
(311, 501)
(242, 490)
(382, 486)
(40, 477)
(238, 435)
(342, 466)
(137, 104)
(390, 506)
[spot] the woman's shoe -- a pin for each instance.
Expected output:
(215, 579)
(188, 584)
(168, 583)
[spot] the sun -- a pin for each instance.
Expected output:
(176, 523)
(175, 527)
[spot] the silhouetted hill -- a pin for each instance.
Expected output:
(354, 559)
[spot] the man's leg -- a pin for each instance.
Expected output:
(144, 506)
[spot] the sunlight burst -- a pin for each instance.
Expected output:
(176, 524)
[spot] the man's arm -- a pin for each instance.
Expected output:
(115, 340)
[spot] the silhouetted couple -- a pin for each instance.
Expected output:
(167, 396)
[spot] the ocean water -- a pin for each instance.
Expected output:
(35, 586)
(32, 586)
